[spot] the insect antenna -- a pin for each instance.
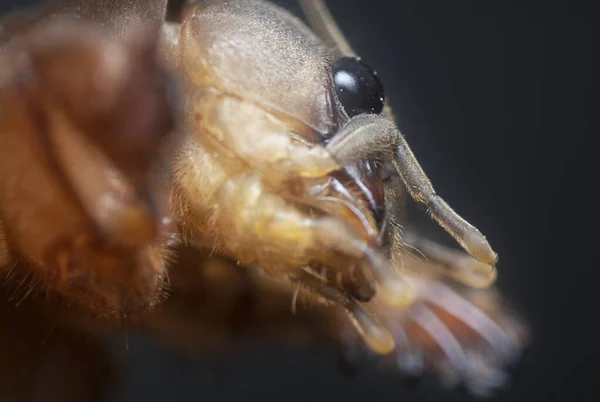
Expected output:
(322, 22)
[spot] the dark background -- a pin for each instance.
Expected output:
(496, 100)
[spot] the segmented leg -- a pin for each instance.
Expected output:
(466, 335)
(249, 214)
(76, 191)
(240, 216)
(478, 332)
(215, 303)
(374, 136)
(378, 338)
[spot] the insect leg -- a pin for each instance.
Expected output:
(379, 339)
(324, 25)
(375, 136)
(460, 333)
(78, 192)
(127, 118)
(251, 215)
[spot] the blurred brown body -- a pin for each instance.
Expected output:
(236, 195)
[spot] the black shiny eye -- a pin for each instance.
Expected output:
(358, 87)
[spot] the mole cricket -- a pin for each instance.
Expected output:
(224, 171)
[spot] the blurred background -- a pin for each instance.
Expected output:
(496, 100)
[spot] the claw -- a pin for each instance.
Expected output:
(394, 288)
(379, 339)
(443, 337)
(460, 308)
(376, 336)
(464, 335)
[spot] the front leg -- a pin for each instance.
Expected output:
(376, 336)
(240, 216)
(262, 228)
(82, 119)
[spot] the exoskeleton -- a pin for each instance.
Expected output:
(267, 149)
